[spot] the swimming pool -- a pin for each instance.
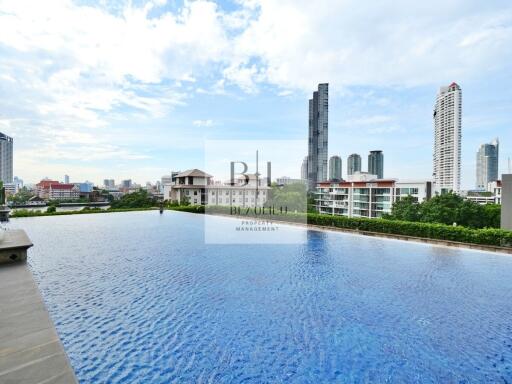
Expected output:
(139, 298)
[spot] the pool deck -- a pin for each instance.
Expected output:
(30, 349)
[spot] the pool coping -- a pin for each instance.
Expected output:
(423, 240)
(30, 348)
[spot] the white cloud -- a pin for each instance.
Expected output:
(203, 123)
(298, 43)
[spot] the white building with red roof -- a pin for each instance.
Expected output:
(55, 190)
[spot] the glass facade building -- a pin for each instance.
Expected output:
(353, 164)
(335, 168)
(6, 148)
(318, 136)
(376, 164)
(487, 164)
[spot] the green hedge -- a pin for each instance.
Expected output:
(485, 236)
(30, 213)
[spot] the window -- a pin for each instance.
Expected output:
(195, 193)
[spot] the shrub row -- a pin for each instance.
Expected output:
(30, 213)
(485, 236)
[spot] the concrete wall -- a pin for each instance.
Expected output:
(506, 202)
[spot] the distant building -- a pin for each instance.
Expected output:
(376, 163)
(318, 136)
(285, 180)
(367, 198)
(506, 202)
(495, 188)
(362, 176)
(85, 189)
(335, 168)
(18, 182)
(127, 184)
(10, 189)
(6, 149)
(487, 164)
(66, 179)
(304, 169)
(109, 183)
(166, 179)
(447, 139)
(353, 164)
(54, 190)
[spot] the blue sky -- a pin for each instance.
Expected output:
(120, 89)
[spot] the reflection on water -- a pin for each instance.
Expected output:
(139, 297)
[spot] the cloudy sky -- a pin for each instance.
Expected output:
(132, 89)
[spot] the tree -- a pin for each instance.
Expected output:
(293, 197)
(406, 209)
(139, 199)
(21, 197)
(447, 209)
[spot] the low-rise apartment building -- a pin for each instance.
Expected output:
(198, 188)
(367, 198)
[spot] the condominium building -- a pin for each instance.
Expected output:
(447, 139)
(376, 163)
(318, 136)
(367, 198)
(6, 147)
(353, 164)
(487, 164)
(335, 168)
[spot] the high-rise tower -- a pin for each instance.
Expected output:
(318, 135)
(447, 139)
(487, 164)
(353, 164)
(335, 168)
(304, 169)
(376, 164)
(6, 146)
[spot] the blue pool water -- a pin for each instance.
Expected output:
(139, 298)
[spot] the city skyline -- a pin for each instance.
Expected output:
(100, 108)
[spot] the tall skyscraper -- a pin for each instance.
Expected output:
(353, 164)
(335, 168)
(447, 139)
(318, 135)
(304, 169)
(376, 164)
(487, 164)
(6, 144)
(66, 179)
